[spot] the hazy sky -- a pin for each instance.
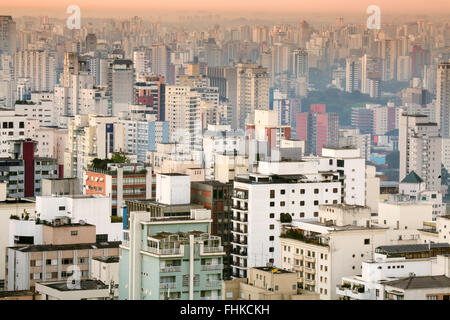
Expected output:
(147, 7)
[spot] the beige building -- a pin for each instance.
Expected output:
(66, 248)
(8, 208)
(266, 283)
(84, 290)
(404, 218)
(322, 252)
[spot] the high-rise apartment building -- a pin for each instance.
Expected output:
(420, 149)
(122, 86)
(160, 61)
(300, 63)
(89, 137)
(8, 43)
(443, 98)
(319, 128)
(252, 91)
(353, 74)
(39, 67)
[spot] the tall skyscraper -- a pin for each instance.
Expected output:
(420, 148)
(443, 98)
(39, 67)
(319, 128)
(8, 43)
(389, 58)
(91, 42)
(122, 86)
(252, 90)
(300, 63)
(160, 61)
(370, 76)
(304, 33)
(353, 74)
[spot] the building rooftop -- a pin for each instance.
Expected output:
(84, 285)
(107, 259)
(412, 177)
(424, 282)
(410, 248)
(273, 270)
(62, 247)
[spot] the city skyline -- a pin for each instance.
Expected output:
(290, 7)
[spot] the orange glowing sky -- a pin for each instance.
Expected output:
(143, 7)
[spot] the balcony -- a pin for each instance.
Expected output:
(310, 270)
(356, 293)
(310, 259)
(310, 282)
(240, 208)
(211, 298)
(239, 242)
(237, 252)
(213, 283)
(167, 285)
(218, 249)
(298, 268)
(211, 267)
(240, 194)
(165, 252)
(170, 269)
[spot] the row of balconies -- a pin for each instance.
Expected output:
(170, 269)
(211, 267)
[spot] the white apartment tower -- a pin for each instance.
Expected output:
(420, 149)
(443, 98)
(353, 74)
(252, 90)
(183, 115)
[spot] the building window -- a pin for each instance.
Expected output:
(316, 214)
(302, 214)
(272, 226)
(271, 249)
(302, 191)
(62, 208)
(272, 204)
(366, 241)
(272, 215)
(282, 191)
(272, 194)
(316, 191)
(73, 233)
(282, 203)
(316, 202)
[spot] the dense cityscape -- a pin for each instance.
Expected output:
(208, 156)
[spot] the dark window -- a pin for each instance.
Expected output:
(302, 203)
(316, 202)
(272, 204)
(21, 125)
(271, 238)
(271, 227)
(282, 191)
(316, 191)
(340, 163)
(302, 191)
(282, 203)
(271, 249)
(272, 194)
(272, 215)
(302, 214)
(366, 241)
(316, 214)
